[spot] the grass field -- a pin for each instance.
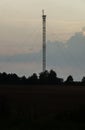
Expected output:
(46, 106)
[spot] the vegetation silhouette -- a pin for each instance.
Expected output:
(69, 79)
(47, 77)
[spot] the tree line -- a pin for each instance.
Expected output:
(47, 77)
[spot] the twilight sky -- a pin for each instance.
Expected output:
(21, 39)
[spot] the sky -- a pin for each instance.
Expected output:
(21, 36)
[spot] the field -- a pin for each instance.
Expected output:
(28, 106)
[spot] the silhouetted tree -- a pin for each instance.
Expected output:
(49, 78)
(9, 78)
(69, 79)
(83, 80)
(52, 77)
(3, 77)
(52, 74)
(33, 79)
(23, 80)
(43, 77)
(13, 78)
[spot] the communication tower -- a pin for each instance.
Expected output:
(44, 41)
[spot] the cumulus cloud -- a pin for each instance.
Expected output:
(70, 59)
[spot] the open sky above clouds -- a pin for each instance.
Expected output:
(21, 38)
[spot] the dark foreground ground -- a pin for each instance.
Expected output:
(42, 107)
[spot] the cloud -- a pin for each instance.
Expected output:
(67, 52)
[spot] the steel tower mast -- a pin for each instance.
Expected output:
(44, 41)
